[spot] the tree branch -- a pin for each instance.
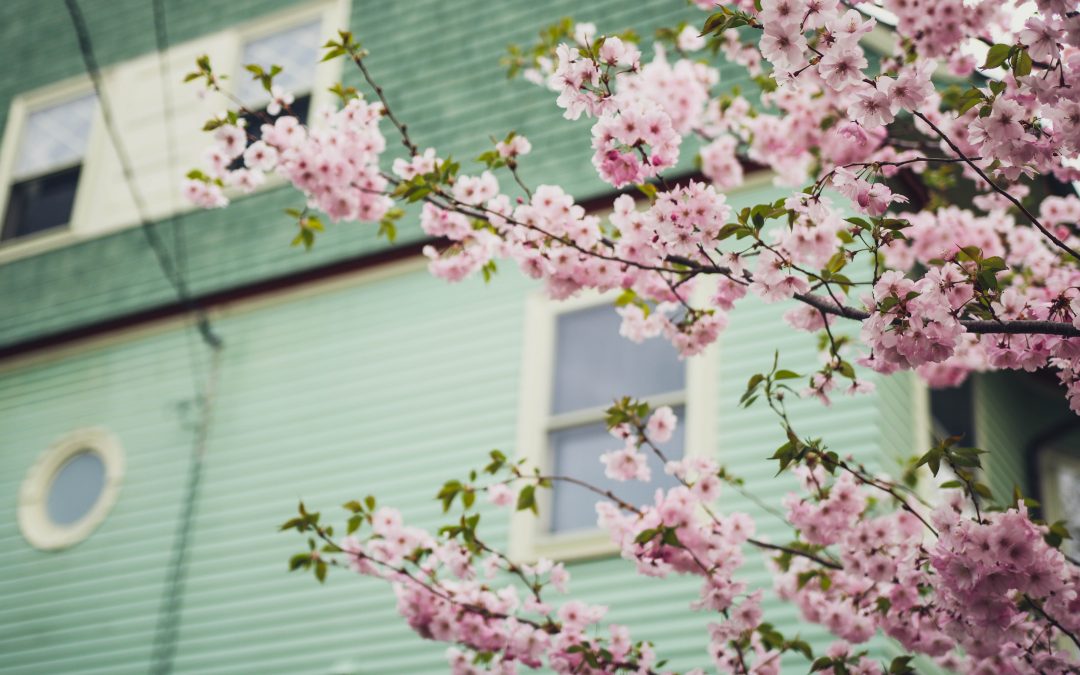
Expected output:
(997, 188)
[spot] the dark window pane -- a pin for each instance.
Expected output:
(953, 412)
(576, 453)
(595, 365)
(41, 203)
(76, 488)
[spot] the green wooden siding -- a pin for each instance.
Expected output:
(388, 386)
(1011, 412)
(439, 63)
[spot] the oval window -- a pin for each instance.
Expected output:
(70, 489)
(76, 487)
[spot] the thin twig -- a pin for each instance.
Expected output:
(997, 188)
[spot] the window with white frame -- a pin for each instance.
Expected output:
(295, 50)
(1060, 491)
(70, 489)
(48, 163)
(576, 364)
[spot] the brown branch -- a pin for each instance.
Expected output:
(997, 188)
(1051, 620)
(794, 551)
(403, 129)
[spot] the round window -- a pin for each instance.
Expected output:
(70, 489)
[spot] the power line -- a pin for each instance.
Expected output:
(167, 629)
(168, 269)
(161, 39)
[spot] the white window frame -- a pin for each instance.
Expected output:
(530, 536)
(22, 106)
(1049, 462)
(333, 15)
(37, 527)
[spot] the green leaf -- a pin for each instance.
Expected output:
(847, 370)
(970, 99)
(648, 190)
(670, 537)
(996, 56)
(527, 499)
(901, 665)
(354, 506)
(1022, 63)
(646, 536)
(299, 560)
(387, 229)
(783, 374)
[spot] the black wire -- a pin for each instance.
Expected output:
(167, 628)
(168, 269)
(176, 220)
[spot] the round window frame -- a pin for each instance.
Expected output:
(37, 527)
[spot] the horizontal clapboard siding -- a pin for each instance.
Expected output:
(387, 384)
(1012, 412)
(439, 63)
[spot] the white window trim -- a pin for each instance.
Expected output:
(1049, 462)
(34, 522)
(334, 14)
(529, 535)
(21, 108)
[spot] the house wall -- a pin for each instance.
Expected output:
(439, 63)
(387, 382)
(390, 383)
(1013, 412)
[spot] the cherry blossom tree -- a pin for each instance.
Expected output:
(930, 205)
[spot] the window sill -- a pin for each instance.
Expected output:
(24, 247)
(569, 547)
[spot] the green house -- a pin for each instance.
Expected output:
(143, 473)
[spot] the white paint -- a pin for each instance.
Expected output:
(34, 522)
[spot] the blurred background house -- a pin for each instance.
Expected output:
(173, 381)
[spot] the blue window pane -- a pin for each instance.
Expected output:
(55, 136)
(296, 50)
(576, 453)
(595, 365)
(76, 488)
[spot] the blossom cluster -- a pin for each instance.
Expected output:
(335, 165)
(955, 594)
(446, 593)
(973, 592)
(943, 277)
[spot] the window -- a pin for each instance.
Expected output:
(47, 167)
(1059, 477)
(296, 50)
(593, 366)
(70, 489)
(952, 411)
(575, 365)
